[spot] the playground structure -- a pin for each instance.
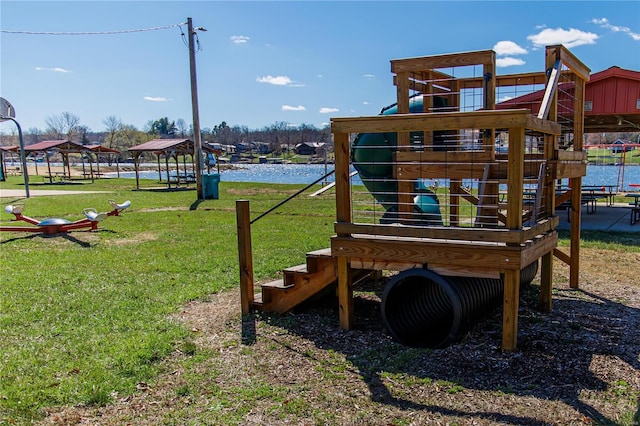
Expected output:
(460, 198)
(56, 225)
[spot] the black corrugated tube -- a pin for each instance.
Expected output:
(423, 309)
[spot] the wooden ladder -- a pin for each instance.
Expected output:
(298, 283)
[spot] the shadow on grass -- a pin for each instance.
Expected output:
(64, 235)
(164, 189)
(195, 204)
(556, 355)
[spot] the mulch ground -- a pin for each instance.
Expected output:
(578, 364)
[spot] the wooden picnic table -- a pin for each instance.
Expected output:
(608, 192)
(635, 207)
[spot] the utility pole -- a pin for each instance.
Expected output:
(194, 106)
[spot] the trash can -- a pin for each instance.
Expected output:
(210, 183)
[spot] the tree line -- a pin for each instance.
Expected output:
(121, 136)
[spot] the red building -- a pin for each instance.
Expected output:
(612, 101)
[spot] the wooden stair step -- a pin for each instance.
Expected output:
(257, 299)
(319, 258)
(298, 269)
(325, 252)
(276, 284)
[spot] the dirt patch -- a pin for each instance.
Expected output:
(164, 209)
(578, 364)
(140, 237)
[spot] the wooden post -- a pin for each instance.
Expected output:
(345, 293)
(197, 148)
(515, 178)
(546, 282)
(136, 161)
(510, 309)
(549, 195)
(343, 215)
(343, 180)
(576, 185)
(405, 187)
(515, 183)
(245, 257)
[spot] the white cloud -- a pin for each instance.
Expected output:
(156, 98)
(506, 47)
(604, 23)
(327, 110)
(239, 39)
(281, 80)
(368, 75)
(293, 108)
(56, 69)
(366, 103)
(569, 38)
(509, 62)
(505, 98)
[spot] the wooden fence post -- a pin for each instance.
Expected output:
(245, 257)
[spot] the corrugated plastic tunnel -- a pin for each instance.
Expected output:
(421, 308)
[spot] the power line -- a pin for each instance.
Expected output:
(92, 32)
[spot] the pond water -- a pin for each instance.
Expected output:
(308, 173)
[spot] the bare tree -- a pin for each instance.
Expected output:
(182, 127)
(113, 125)
(62, 126)
(33, 135)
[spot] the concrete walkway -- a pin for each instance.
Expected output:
(20, 193)
(616, 218)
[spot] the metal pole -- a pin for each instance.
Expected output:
(23, 157)
(194, 106)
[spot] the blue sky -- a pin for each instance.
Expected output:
(264, 62)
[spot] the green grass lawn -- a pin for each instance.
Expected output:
(604, 156)
(86, 315)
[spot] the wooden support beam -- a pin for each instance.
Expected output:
(442, 61)
(576, 218)
(499, 119)
(511, 302)
(343, 179)
(546, 282)
(245, 258)
(345, 293)
(516, 177)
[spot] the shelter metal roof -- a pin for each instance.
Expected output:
(60, 145)
(163, 145)
(101, 149)
(177, 146)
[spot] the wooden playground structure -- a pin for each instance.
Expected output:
(441, 195)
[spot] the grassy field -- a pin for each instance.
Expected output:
(604, 156)
(139, 323)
